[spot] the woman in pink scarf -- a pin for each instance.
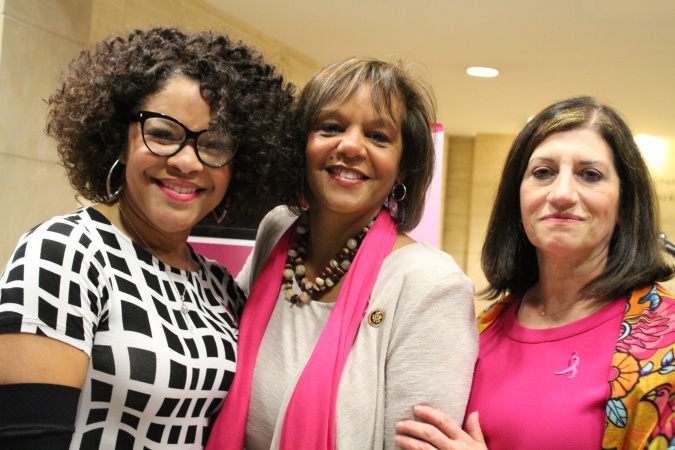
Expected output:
(349, 321)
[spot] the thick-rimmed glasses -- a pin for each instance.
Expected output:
(165, 136)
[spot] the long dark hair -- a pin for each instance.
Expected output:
(635, 256)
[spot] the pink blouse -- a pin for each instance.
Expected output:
(546, 388)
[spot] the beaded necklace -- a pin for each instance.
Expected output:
(183, 307)
(331, 274)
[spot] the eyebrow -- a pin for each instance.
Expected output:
(385, 120)
(584, 162)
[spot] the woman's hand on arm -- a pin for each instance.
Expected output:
(439, 431)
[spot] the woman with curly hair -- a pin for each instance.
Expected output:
(114, 333)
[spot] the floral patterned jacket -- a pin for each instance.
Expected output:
(641, 407)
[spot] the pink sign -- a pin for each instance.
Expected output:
(429, 228)
(231, 253)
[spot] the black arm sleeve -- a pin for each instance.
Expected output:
(36, 416)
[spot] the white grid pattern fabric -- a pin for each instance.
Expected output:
(152, 382)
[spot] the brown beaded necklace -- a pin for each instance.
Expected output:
(331, 274)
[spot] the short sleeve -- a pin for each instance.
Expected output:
(53, 285)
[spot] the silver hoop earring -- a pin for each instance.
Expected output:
(219, 217)
(393, 192)
(113, 195)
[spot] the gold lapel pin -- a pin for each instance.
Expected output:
(376, 317)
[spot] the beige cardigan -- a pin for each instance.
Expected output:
(424, 352)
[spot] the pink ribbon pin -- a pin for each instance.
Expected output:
(574, 362)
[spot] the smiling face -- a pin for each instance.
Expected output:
(171, 194)
(569, 196)
(353, 157)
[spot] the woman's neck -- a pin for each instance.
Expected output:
(329, 233)
(556, 299)
(567, 275)
(170, 250)
(556, 302)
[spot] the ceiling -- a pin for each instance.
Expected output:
(621, 51)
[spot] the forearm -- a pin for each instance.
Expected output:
(36, 416)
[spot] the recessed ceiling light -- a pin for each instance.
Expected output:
(484, 72)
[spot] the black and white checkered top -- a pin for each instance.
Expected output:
(152, 381)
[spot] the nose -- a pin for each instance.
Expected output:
(563, 190)
(186, 159)
(352, 144)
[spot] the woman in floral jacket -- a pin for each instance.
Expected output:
(641, 407)
(578, 353)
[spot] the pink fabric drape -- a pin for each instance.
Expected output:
(309, 422)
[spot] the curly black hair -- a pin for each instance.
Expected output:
(89, 114)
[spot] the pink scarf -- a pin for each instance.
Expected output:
(309, 422)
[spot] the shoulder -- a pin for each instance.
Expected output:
(643, 366)
(423, 273)
(59, 231)
(214, 270)
(212, 267)
(493, 312)
(215, 274)
(652, 300)
(421, 263)
(64, 224)
(271, 229)
(423, 259)
(275, 223)
(648, 330)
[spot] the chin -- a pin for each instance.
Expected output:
(565, 248)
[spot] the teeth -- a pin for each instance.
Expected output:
(179, 189)
(347, 174)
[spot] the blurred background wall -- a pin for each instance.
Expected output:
(39, 37)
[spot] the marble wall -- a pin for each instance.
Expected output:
(472, 177)
(660, 157)
(112, 17)
(37, 40)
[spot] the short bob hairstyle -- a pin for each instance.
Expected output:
(635, 252)
(89, 115)
(335, 83)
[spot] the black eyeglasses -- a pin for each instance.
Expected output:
(165, 136)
